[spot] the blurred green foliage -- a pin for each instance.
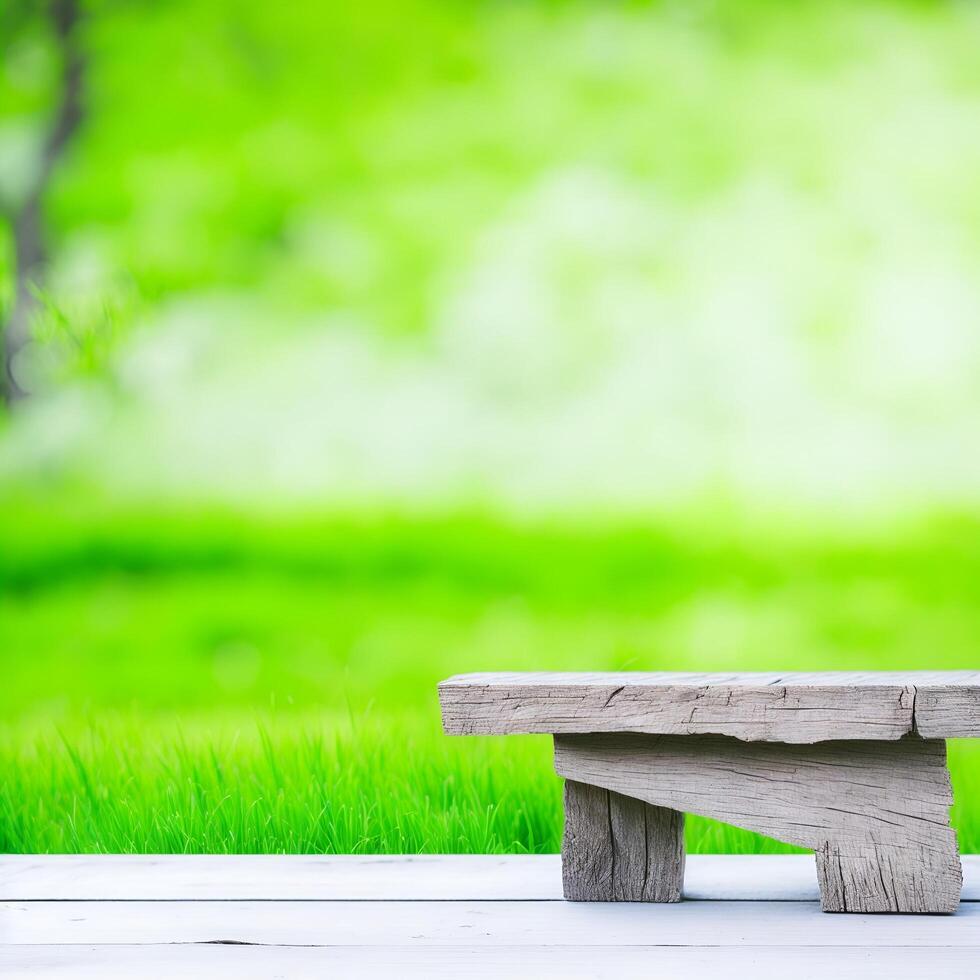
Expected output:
(196, 678)
(225, 682)
(167, 611)
(349, 156)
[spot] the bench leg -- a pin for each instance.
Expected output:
(888, 878)
(875, 813)
(619, 849)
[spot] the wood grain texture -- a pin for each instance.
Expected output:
(875, 813)
(619, 849)
(948, 712)
(796, 708)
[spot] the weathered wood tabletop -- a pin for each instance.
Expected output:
(242, 917)
(850, 764)
(789, 707)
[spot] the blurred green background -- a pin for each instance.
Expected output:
(351, 346)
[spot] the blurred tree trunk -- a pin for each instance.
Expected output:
(27, 219)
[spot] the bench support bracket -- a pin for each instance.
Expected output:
(875, 813)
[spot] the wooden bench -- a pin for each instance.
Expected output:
(852, 765)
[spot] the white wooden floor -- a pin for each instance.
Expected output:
(448, 916)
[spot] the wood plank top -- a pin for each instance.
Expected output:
(385, 877)
(218, 916)
(349, 923)
(220, 961)
(796, 707)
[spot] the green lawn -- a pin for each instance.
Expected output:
(428, 251)
(203, 682)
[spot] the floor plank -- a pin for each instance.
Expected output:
(446, 916)
(723, 877)
(569, 963)
(468, 923)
